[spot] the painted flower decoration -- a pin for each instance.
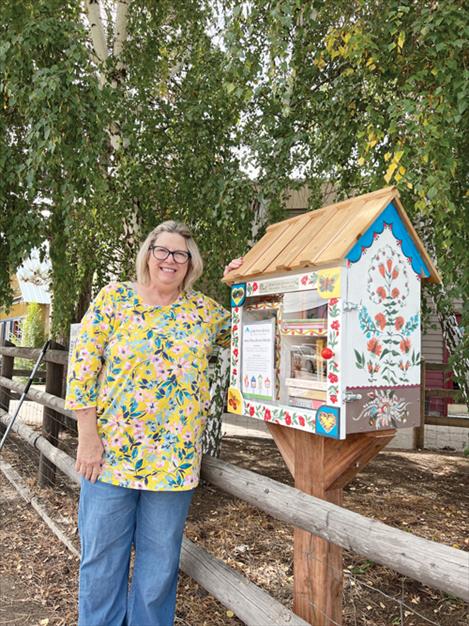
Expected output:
(399, 322)
(387, 330)
(235, 401)
(385, 409)
(384, 271)
(380, 319)
(374, 346)
(381, 293)
(405, 345)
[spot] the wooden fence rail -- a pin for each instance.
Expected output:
(437, 565)
(52, 356)
(431, 563)
(451, 421)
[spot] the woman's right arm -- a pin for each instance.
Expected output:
(86, 362)
(90, 447)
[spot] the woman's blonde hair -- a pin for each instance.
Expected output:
(196, 264)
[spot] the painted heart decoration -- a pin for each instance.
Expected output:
(237, 295)
(327, 421)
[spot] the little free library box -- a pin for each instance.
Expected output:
(326, 320)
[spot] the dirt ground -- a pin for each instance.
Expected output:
(424, 493)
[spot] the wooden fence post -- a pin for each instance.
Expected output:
(8, 363)
(52, 420)
(419, 431)
(321, 467)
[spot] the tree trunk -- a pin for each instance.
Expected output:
(218, 387)
(219, 381)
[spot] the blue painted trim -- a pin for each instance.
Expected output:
(390, 217)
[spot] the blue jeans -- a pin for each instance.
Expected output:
(110, 520)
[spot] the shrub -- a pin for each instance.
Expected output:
(32, 329)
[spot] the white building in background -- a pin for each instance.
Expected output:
(30, 285)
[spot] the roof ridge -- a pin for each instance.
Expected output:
(392, 191)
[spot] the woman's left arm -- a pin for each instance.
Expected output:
(220, 317)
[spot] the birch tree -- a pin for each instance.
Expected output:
(362, 95)
(114, 118)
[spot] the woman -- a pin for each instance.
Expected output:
(138, 384)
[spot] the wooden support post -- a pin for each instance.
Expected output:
(52, 420)
(322, 467)
(8, 364)
(419, 431)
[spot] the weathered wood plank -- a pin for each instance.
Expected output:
(457, 422)
(6, 371)
(250, 603)
(17, 482)
(441, 393)
(419, 431)
(41, 374)
(429, 562)
(437, 367)
(41, 397)
(60, 458)
(52, 420)
(53, 356)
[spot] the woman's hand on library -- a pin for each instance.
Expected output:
(233, 265)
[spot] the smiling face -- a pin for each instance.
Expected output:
(168, 274)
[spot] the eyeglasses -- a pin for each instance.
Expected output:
(161, 254)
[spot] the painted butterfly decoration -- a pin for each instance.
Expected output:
(327, 283)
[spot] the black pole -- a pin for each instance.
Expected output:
(25, 393)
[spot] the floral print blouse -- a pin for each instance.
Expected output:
(144, 367)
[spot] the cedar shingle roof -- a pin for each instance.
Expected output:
(322, 238)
